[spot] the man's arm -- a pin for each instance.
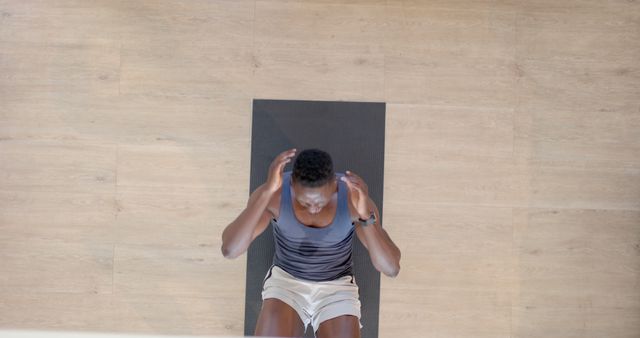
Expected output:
(385, 255)
(251, 222)
(254, 219)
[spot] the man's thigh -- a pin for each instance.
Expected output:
(279, 319)
(346, 326)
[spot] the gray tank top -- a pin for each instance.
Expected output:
(316, 254)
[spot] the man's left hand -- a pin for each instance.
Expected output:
(359, 193)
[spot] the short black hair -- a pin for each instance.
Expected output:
(313, 168)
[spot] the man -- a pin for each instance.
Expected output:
(315, 213)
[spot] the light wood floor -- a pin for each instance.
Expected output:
(512, 170)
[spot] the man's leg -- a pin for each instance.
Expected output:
(278, 319)
(346, 326)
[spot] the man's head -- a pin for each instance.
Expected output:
(313, 179)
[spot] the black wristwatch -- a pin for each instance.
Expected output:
(365, 222)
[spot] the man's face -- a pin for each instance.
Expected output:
(314, 199)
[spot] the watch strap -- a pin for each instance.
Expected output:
(365, 222)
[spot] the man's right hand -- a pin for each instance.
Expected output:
(274, 181)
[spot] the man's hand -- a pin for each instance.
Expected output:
(274, 180)
(359, 193)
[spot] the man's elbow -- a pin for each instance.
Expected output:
(393, 272)
(229, 253)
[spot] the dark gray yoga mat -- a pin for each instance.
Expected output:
(353, 133)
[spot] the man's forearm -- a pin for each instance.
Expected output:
(237, 236)
(385, 255)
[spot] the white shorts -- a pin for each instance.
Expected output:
(314, 302)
